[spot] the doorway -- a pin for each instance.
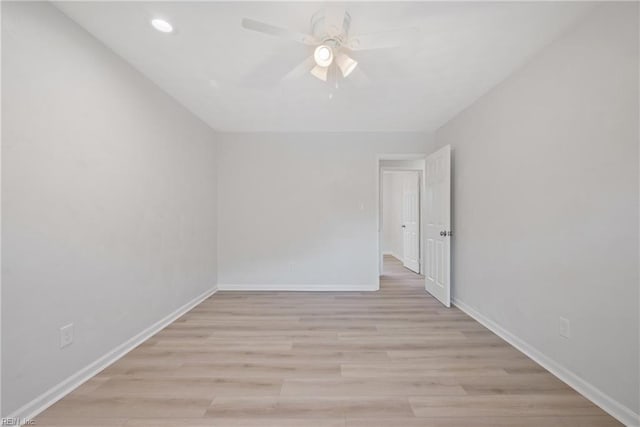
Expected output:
(401, 206)
(426, 218)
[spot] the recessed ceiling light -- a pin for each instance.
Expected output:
(162, 25)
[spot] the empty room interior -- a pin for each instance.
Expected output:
(339, 214)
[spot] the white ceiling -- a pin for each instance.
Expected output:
(230, 77)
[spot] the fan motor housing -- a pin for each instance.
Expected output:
(336, 35)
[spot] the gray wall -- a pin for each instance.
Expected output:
(298, 210)
(108, 201)
(546, 202)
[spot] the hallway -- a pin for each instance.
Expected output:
(394, 275)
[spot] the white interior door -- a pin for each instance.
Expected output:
(438, 225)
(411, 220)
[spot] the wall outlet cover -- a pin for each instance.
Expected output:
(565, 328)
(66, 335)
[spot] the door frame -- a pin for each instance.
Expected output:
(379, 176)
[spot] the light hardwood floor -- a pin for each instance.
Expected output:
(390, 358)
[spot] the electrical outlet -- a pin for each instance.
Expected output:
(66, 335)
(565, 328)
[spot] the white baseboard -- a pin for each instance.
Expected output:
(297, 287)
(622, 413)
(51, 396)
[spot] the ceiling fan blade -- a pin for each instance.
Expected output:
(272, 30)
(268, 72)
(383, 40)
(334, 19)
(300, 69)
(320, 72)
(346, 64)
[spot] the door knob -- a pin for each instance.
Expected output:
(404, 226)
(443, 233)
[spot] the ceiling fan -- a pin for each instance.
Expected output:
(332, 42)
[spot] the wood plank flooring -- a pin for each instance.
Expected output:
(359, 359)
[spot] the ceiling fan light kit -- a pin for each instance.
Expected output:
(346, 64)
(323, 55)
(330, 37)
(319, 72)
